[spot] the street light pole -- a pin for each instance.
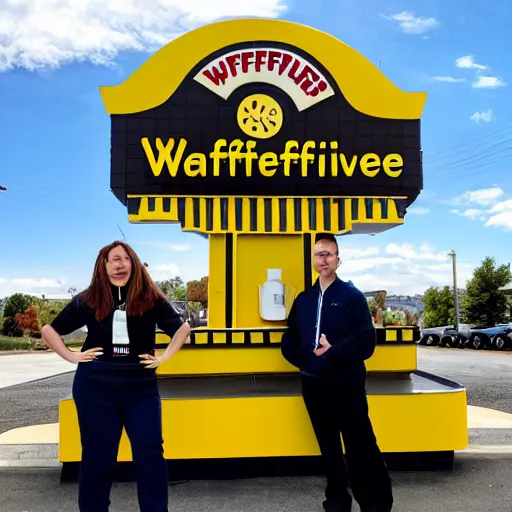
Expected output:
(453, 255)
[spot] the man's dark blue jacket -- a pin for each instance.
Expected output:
(345, 320)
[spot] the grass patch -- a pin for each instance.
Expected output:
(8, 343)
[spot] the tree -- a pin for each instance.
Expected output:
(484, 304)
(18, 303)
(49, 310)
(439, 304)
(174, 289)
(197, 291)
(28, 322)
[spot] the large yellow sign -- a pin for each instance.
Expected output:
(260, 108)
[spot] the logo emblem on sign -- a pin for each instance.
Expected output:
(260, 116)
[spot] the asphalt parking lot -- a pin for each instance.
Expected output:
(479, 482)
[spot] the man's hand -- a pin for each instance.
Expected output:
(324, 346)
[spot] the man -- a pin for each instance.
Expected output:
(330, 334)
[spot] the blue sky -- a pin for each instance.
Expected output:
(58, 210)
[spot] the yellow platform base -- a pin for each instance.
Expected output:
(264, 416)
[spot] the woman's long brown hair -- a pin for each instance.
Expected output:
(142, 291)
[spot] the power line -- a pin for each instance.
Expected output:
(470, 160)
(469, 153)
(470, 141)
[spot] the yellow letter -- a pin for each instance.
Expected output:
(321, 161)
(393, 160)
(250, 156)
(198, 160)
(216, 155)
(348, 169)
(267, 160)
(367, 161)
(306, 157)
(234, 155)
(164, 155)
(334, 158)
(287, 155)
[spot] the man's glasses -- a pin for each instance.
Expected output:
(326, 254)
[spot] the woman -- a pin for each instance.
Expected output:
(118, 386)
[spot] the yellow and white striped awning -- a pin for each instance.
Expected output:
(267, 215)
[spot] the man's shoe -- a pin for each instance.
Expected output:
(376, 508)
(333, 506)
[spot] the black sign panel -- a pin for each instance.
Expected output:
(225, 133)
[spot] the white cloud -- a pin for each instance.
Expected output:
(51, 288)
(163, 271)
(502, 206)
(38, 34)
(483, 196)
(468, 62)
(403, 269)
(471, 213)
(406, 250)
(498, 208)
(484, 116)
(501, 220)
(412, 24)
(418, 210)
(449, 79)
(488, 82)
(481, 81)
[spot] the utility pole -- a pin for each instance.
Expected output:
(453, 255)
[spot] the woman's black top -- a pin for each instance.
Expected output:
(141, 329)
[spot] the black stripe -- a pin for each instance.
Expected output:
(266, 338)
(181, 210)
(151, 204)
(197, 211)
(282, 214)
(268, 214)
(166, 204)
(134, 205)
(229, 280)
(209, 214)
(368, 204)
(312, 214)
(223, 213)
(327, 214)
(192, 338)
(306, 240)
(209, 338)
(253, 215)
(229, 338)
(297, 213)
(401, 206)
(384, 208)
(355, 208)
(341, 214)
(238, 213)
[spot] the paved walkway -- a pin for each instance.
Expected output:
(22, 367)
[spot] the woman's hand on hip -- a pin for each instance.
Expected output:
(87, 356)
(150, 361)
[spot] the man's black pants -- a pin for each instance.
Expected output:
(341, 405)
(108, 397)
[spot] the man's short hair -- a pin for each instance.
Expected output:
(325, 236)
